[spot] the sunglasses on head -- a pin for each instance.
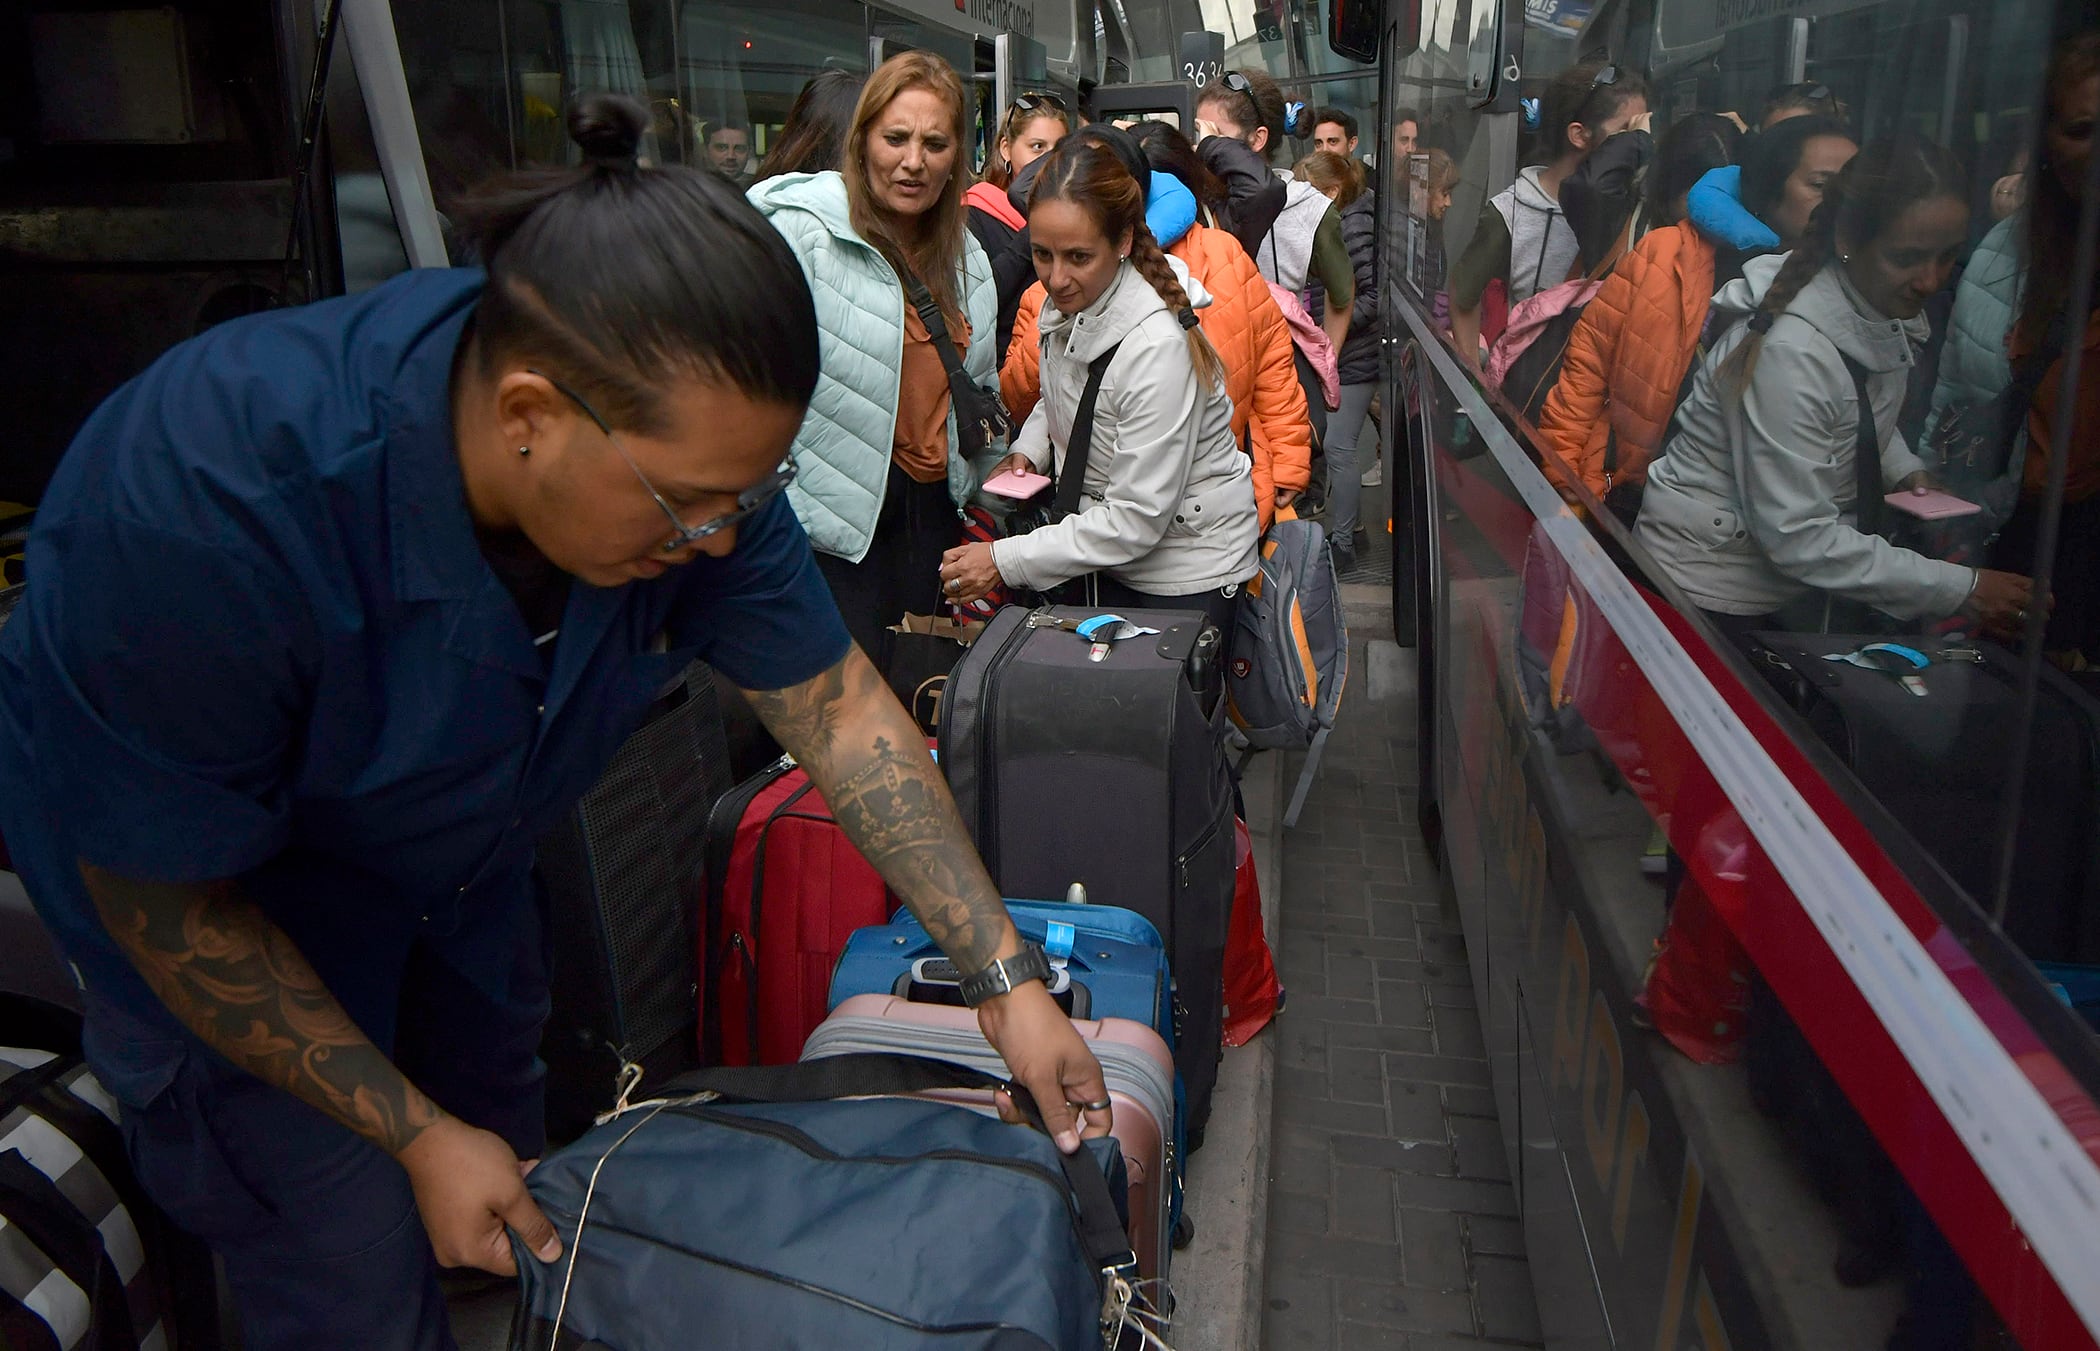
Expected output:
(1027, 104)
(1238, 83)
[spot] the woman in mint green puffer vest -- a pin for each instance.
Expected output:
(869, 490)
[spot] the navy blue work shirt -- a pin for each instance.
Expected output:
(261, 642)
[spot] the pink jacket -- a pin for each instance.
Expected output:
(1312, 341)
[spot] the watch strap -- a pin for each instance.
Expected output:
(1002, 975)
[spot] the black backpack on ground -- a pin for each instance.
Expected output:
(1111, 773)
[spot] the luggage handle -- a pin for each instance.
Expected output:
(875, 1074)
(939, 976)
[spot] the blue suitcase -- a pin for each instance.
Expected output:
(1109, 962)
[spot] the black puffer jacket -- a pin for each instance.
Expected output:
(1604, 192)
(1013, 265)
(1253, 192)
(1359, 355)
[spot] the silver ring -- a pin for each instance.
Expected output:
(955, 583)
(2020, 615)
(1100, 1106)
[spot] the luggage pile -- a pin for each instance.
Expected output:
(839, 1176)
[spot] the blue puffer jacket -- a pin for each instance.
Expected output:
(1974, 366)
(842, 453)
(1715, 205)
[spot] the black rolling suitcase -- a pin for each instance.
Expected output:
(624, 892)
(1937, 762)
(1111, 773)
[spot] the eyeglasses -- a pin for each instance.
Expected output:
(1238, 83)
(747, 501)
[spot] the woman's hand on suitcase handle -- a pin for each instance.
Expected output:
(1999, 601)
(469, 1188)
(1046, 1054)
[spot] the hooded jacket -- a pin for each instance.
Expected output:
(1542, 245)
(1167, 504)
(1242, 321)
(1626, 360)
(842, 452)
(999, 220)
(999, 227)
(1751, 503)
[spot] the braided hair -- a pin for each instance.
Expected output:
(1087, 172)
(1877, 186)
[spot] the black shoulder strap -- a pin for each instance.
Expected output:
(874, 1074)
(1866, 459)
(937, 328)
(1071, 476)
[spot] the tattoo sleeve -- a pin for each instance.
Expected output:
(868, 758)
(236, 980)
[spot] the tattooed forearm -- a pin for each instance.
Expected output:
(235, 980)
(868, 759)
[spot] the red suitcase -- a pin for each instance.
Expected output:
(786, 889)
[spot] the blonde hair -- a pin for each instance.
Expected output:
(1338, 175)
(1443, 171)
(937, 255)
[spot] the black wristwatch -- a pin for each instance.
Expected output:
(1030, 963)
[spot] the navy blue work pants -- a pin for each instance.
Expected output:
(317, 1227)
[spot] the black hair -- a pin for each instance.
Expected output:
(1810, 96)
(1259, 105)
(1694, 146)
(727, 124)
(1168, 151)
(1405, 114)
(1339, 118)
(1124, 146)
(1575, 96)
(1885, 179)
(621, 279)
(814, 138)
(1770, 158)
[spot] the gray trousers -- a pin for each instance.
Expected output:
(1345, 466)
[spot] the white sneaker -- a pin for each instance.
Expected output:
(1375, 475)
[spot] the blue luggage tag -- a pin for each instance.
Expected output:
(1058, 937)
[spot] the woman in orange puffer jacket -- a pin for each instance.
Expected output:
(1628, 354)
(1242, 321)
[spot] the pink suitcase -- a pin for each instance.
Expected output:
(1136, 1062)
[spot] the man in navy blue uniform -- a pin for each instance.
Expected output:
(332, 612)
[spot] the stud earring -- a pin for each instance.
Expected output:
(524, 450)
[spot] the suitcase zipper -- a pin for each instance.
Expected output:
(809, 1145)
(987, 755)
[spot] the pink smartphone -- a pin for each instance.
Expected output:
(1017, 484)
(1932, 505)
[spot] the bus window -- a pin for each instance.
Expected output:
(1787, 383)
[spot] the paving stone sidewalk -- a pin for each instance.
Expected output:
(1392, 1222)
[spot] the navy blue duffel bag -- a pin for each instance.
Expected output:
(752, 1207)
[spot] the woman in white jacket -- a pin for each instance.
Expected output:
(1757, 499)
(1166, 513)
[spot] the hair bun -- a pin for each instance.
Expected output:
(608, 127)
